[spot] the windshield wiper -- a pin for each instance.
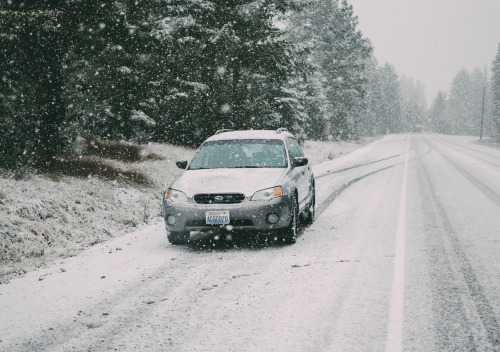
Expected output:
(246, 167)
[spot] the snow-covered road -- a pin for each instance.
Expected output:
(404, 255)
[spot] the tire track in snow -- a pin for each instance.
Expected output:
(475, 322)
(485, 189)
(328, 173)
(466, 152)
(328, 201)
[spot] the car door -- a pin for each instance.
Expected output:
(300, 174)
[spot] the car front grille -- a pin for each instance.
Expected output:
(226, 198)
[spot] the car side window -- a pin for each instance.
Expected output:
(294, 148)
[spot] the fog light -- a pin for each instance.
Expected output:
(273, 218)
(171, 220)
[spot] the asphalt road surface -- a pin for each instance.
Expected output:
(404, 256)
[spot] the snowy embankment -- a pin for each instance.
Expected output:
(43, 218)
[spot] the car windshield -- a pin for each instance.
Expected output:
(240, 153)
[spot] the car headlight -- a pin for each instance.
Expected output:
(174, 195)
(268, 193)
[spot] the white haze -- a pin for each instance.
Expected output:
(431, 40)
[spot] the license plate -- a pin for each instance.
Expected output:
(217, 217)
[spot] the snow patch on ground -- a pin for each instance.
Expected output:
(319, 152)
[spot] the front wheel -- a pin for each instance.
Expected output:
(178, 237)
(289, 233)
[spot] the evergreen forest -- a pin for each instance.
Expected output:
(175, 71)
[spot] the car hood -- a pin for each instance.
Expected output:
(244, 180)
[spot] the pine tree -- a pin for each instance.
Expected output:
(229, 68)
(465, 101)
(80, 68)
(437, 114)
(311, 82)
(117, 74)
(495, 86)
(382, 114)
(32, 57)
(42, 39)
(340, 52)
(413, 105)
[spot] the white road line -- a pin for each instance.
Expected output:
(394, 342)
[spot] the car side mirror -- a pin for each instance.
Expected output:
(181, 164)
(300, 161)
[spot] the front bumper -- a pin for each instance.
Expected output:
(247, 215)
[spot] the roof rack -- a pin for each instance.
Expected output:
(281, 129)
(224, 130)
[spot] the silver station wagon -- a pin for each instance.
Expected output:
(242, 180)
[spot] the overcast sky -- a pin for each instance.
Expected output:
(431, 40)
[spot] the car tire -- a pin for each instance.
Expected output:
(289, 233)
(178, 237)
(311, 212)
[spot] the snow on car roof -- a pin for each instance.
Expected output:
(251, 134)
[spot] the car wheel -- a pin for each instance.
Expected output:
(311, 212)
(289, 233)
(178, 237)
